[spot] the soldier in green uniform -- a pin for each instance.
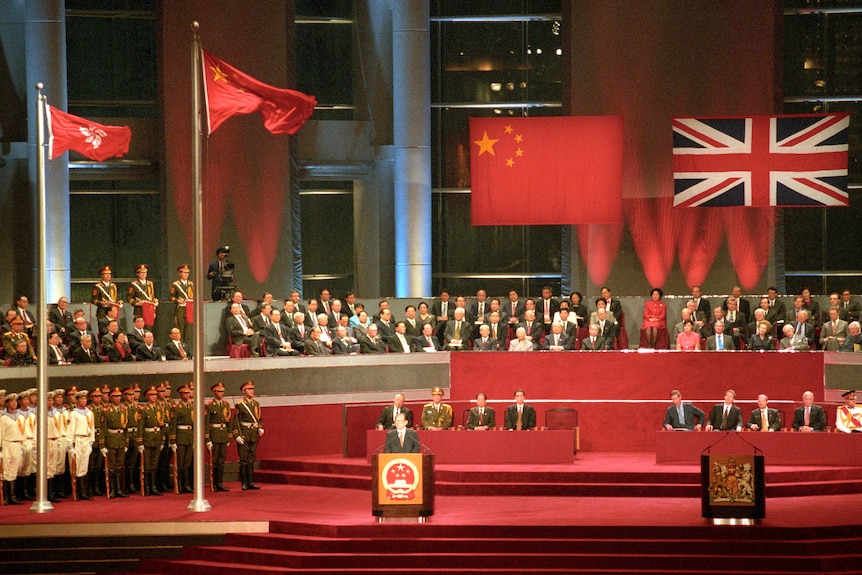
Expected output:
(247, 429)
(436, 416)
(132, 461)
(217, 434)
(182, 438)
(151, 439)
(105, 293)
(114, 441)
(182, 294)
(96, 473)
(142, 292)
(163, 475)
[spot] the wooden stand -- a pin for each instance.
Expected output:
(402, 486)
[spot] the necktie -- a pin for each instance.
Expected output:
(764, 421)
(519, 425)
(592, 341)
(481, 415)
(457, 330)
(481, 309)
(401, 437)
(799, 328)
(681, 414)
(429, 343)
(807, 416)
(724, 418)
(181, 350)
(720, 340)
(514, 306)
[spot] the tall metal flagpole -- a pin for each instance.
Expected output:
(199, 503)
(42, 505)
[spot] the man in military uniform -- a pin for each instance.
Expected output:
(247, 429)
(436, 416)
(132, 461)
(83, 432)
(182, 437)
(182, 294)
(151, 439)
(96, 483)
(163, 477)
(849, 416)
(105, 293)
(217, 434)
(26, 484)
(113, 441)
(58, 424)
(11, 439)
(142, 292)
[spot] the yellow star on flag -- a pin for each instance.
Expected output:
(219, 75)
(486, 144)
(510, 163)
(519, 138)
(508, 129)
(519, 152)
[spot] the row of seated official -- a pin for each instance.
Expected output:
(726, 416)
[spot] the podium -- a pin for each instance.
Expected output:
(402, 486)
(733, 483)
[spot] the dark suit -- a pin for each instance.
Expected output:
(62, 320)
(421, 342)
(807, 331)
(273, 335)
(172, 353)
(616, 308)
(850, 342)
(114, 355)
(703, 307)
(528, 417)
(608, 333)
(297, 339)
(368, 346)
(519, 310)
(501, 331)
(490, 345)
(473, 419)
(234, 328)
(564, 341)
(135, 339)
(734, 418)
(81, 356)
(385, 332)
(587, 345)
(816, 418)
(773, 419)
(341, 346)
(313, 347)
(463, 334)
(411, 442)
(712, 342)
(52, 356)
(742, 305)
(780, 311)
(75, 339)
(395, 345)
(387, 419)
(689, 412)
(535, 330)
(553, 307)
(411, 330)
(144, 354)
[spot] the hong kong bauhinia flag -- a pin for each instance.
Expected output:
(230, 92)
(546, 171)
(761, 161)
(91, 139)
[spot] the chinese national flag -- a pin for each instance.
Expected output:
(230, 92)
(546, 171)
(97, 142)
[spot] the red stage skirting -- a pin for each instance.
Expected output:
(779, 448)
(479, 447)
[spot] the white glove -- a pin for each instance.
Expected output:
(174, 447)
(140, 449)
(210, 445)
(125, 449)
(260, 431)
(104, 451)
(240, 440)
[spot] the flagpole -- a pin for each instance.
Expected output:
(42, 505)
(199, 503)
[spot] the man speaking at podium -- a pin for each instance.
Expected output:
(401, 439)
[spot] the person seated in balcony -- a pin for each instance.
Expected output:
(557, 340)
(521, 343)
(791, 341)
(853, 342)
(601, 304)
(682, 416)
(277, 337)
(803, 327)
(851, 304)
(688, 340)
(719, 341)
(371, 343)
(148, 351)
(485, 342)
(834, 332)
(85, 353)
(679, 327)
(762, 338)
(593, 342)
(21, 357)
(427, 341)
(809, 417)
(313, 346)
(118, 350)
(812, 306)
(654, 316)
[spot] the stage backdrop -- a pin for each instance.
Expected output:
(648, 65)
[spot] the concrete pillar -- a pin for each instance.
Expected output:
(411, 73)
(45, 48)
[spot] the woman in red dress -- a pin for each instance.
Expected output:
(655, 316)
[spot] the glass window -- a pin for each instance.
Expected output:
(324, 62)
(326, 211)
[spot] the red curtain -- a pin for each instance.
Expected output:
(652, 225)
(599, 245)
(699, 235)
(750, 232)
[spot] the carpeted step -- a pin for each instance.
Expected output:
(567, 489)
(805, 489)
(314, 479)
(313, 466)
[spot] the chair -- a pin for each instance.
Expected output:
(237, 350)
(564, 418)
(465, 419)
(662, 340)
(622, 338)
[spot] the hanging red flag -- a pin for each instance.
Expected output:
(546, 171)
(91, 139)
(230, 92)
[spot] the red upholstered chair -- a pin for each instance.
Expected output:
(560, 418)
(465, 419)
(662, 340)
(622, 339)
(583, 332)
(237, 350)
(262, 350)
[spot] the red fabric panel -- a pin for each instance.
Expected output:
(245, 167)
(779, 448)
(699, 236)
(300, 430)
(750, 232)
(652, 225)
(545, 171)
(599, 245)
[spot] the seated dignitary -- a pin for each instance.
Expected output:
(751, 328)
(385, 325)
(725, 416)
(521, 343)
(177, 350)
(679, 327)
(681, 415)
(764, 418)
(298, 333)
(735, 321)
(520, 416)
(557, 340)
(136, 334)
(833, 333)
(456, 335)
(238, 326)
(391, 411)
(602, 304)
(399, 343)
(20, 356)
(688, 340)
(762, 340)
(436, 416)
(277, 337)
(85, 353)
(803, 327)
(427, 341)
(809, 417)
(370, 343)
(118, 350)
(498, 328)
(485, 342)
(58, 354)
(791, 341)
(594, 342)
(16, 334)
(313, 345)
(853, 341)
(849, 416)
(607, 327)
(851, 305)
(342, 343)
(481, 417)
(533, 329)
(720, 341)
(148, 351)
(402, 439)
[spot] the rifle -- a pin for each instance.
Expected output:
(73, 467)
(107, 478)
(212, 479)
(141, 477)
(174, 472)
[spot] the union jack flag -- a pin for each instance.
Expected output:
(761, 161)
